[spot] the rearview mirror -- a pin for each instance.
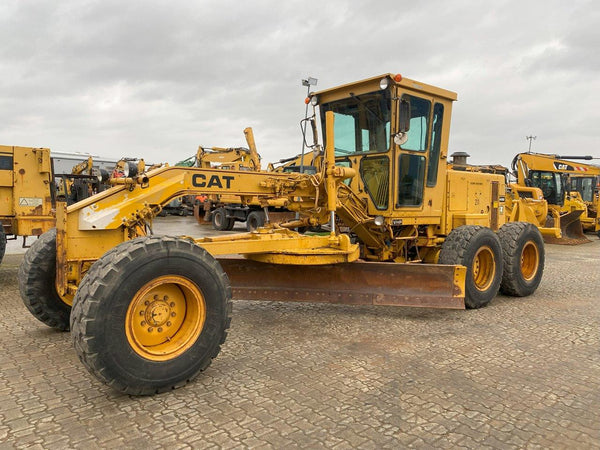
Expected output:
(404, 116)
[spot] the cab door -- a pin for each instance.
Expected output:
(417, 158)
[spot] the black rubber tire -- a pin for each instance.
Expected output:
(2, 242)
(220, 221)
(514, 237)
(37, 277)
(100, 309)
(255, 220)
(460, 247)
(230, 224)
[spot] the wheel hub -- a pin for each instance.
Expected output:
(484, 266)
(157, 313)
(165, 318)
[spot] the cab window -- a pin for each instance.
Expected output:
(411, 175)
(436, 140)
(419, 123)
(362, 123)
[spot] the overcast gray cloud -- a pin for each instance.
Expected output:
(156, 79)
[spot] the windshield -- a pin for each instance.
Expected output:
(585, 186)
(362, 123)
(551, 185)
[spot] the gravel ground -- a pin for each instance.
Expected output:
(519, 373)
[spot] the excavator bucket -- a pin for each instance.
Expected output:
(571, 229)
(356, 283)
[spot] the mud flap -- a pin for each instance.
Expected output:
(356, 283)
(571, 229)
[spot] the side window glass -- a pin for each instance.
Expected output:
(345, 136)
(411, 175)
(419, 123)
(436, 140)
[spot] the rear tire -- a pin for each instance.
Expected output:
(479, 250)
(523, 257)
(220, 221)
(37, 283)
(151, 314)
(255, 220)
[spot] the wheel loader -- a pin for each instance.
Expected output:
(148, 313)
(563, 184)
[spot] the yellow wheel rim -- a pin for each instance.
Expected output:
(484, 268)
(530, 261)
(165, 318)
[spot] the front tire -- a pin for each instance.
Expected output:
(478, 249)
(523, 256)
(151, 314)
(37, 283)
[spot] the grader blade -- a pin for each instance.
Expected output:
(356, 283)
(571, 229)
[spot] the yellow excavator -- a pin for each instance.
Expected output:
(148, 313)
(564, 184)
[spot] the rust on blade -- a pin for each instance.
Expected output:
(356, 283)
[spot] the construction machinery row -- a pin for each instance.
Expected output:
(148, 313)
(30, 187)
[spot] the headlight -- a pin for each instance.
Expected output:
(314, 100)
(384, 83)
(130, 169)
(378, 220)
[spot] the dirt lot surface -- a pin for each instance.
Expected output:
(519, 373)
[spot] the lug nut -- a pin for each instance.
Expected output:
(168, 324)
(172, 304)
(172, 314)
(143, 323)
(165, 298)
(141, 313)
(150, 329)
(146, 303)
(160, 330)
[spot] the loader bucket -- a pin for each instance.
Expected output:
(356, 283)
(571, 229)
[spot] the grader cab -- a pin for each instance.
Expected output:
(149, 313)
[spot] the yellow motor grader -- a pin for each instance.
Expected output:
(148, 313)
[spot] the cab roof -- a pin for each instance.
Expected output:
(404, 82)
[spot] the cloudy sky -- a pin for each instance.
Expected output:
(155, 79)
